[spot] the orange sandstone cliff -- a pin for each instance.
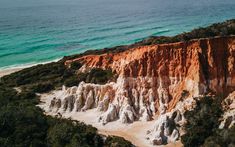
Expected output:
(154, 82)
(198, 66)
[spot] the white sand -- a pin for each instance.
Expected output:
(4, 72)
(10, 70)
(135, 132)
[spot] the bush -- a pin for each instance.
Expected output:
(202, 121)
(113, 141)
(221, 137)
(72, 81)
(99, 76)
(41, 87)
(75, 65)
(44, 78)
(69, 133)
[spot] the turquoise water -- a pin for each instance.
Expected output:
(33, 32)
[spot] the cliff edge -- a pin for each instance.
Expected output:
(154, 82)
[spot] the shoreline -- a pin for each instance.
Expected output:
(11, 69)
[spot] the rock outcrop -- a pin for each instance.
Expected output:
(167, 126)
(229, 111)
(207, 64)
(154, 82)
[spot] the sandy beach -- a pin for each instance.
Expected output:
(7, 71)
(4, 72)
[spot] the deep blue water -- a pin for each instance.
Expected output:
(38, 31)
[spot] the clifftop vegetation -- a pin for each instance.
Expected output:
(22, 124)
(43, 78)
(223, 29)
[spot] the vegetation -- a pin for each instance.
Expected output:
(43, 78)
(222, 137)
(112, 141)
(75, 65)
(99, 76)
(219, 29)
(54, 73)
(202, 125)
(96, 75)
(23, 124)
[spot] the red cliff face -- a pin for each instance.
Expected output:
(198, 66)
(155, 82)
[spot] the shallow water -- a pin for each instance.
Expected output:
(39, 31)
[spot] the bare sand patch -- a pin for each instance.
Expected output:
(135, 132)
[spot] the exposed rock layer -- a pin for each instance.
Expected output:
(197, 66)
(155, 80)
(229, 111)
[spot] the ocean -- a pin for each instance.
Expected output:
(34, 32)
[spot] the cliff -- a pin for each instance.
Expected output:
(154, 82)
(198, 66)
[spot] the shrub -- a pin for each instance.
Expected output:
(99, 76)
(75, 65)
(72, 81)
(42, 87)
(201, 121)
(113, 141)
(51, 73)
(221, 137)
